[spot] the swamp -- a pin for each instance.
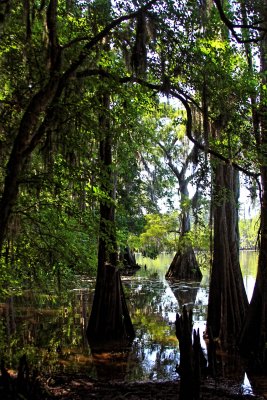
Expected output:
(50, 328)
(133, 180)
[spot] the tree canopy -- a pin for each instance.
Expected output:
(54, 67)
(106, 108)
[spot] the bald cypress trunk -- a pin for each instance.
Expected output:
(227, 296)
(109, 321)
(254, 333)
(184, 264)
(252, 340)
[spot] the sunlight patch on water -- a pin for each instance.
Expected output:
(246, 386)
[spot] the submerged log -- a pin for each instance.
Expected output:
(112, 365)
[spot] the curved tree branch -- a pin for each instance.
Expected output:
(102, 34)
(202, 146)
(231, 26)
(185, 100)
(32, 128)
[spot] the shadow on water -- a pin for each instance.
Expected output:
(51, 329)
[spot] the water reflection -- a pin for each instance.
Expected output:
(249, 264)
(51, 329)
(246, 386)
(185, 293)
(152, 306)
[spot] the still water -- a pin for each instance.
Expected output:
(50, 329)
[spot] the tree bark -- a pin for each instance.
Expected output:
(192, 360)
(184, 264)
(184, 326)
(227, 296)
(253, 336)
(28, 127)
(109, 324)
(39, 105)
(109, 320)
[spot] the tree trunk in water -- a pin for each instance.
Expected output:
(252, 340)
(227, 296)
(109, 321)
(184, 265)
(192, 360)
(253, 336)
(128, 259)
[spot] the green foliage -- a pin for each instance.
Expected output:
(53, 229)
(160, 234)
(52, 235)
(248, 231)
(49, 249)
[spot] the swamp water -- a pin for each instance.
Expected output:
(50, 329)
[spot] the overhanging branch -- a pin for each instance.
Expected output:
(185, 100)
(102, 34)
(231, 26)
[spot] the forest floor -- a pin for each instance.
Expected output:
(77, 387)
(82, 388)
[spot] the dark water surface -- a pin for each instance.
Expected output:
(50, 329)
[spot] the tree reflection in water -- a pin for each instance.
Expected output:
(50, 329)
